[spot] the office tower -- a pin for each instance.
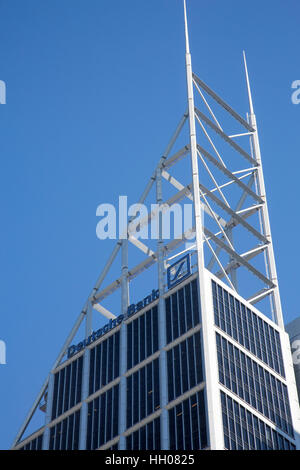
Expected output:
(201, 359)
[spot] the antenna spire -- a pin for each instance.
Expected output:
(248, 85)
(187, 43)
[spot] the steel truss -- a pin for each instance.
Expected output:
(245, 184)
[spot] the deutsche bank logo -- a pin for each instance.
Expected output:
(179, 271)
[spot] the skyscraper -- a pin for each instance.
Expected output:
(198, 361)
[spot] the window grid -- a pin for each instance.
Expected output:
(104, 363)
(67, 387)
(143, 396)
(65, 434)
(244, 431)
(184, 366)
(247, 328)
(187, 424)
(254, 384)
(103, 418)
(145, 438)
(142, 337)
(182, 311)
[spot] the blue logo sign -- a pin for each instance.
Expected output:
(179, 271)
(75, 348)
(132, 309)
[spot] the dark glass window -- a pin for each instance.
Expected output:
(136, 340)
(247, 328)
(155, 346)
(104, 363)
(187, 424)
(168, 319)
(145, 438)
(184, 366)
(103, 418)
(142, 337)
(67, 387)
(142, 331)
(143, 393)
(254, 384)
(65, 434)
(243, 430)
(182, 311)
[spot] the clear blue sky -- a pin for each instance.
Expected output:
(94, 91)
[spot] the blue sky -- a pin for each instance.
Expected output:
(94, 91)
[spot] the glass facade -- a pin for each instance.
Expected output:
(145, 438)
(187, 424)
(104, 362)
(103, 422)
(245, 431)
(184, 366)
(143, 393)
(250, 367)
(142, 337)
(254, 384)
(184, 372)
(65, 434)
(67, 387)
(182, 311)
(247, 328)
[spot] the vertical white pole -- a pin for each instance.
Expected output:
(85, 381)
(164, 424)
(123, 346)
(46, 437)
(214, 418)
(84, 395)
(264, 211)
(125, 284)
(232, 273)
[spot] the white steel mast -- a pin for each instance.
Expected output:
(208, 340)
(271, 265)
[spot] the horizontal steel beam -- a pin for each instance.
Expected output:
(147, 263)
(106, 313)
(176, 157)
(141, 246)
(262, 294)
